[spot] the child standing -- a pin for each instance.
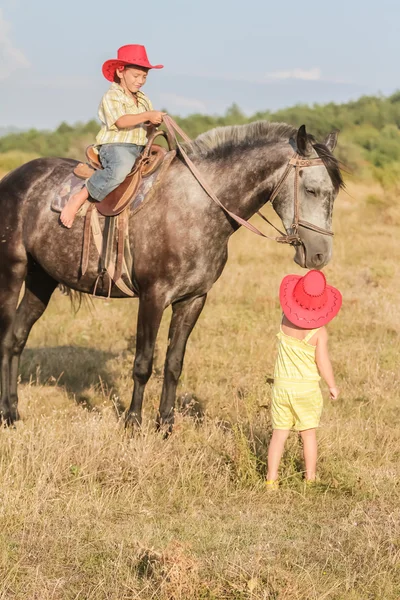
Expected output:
(308, 304)
(126, 115)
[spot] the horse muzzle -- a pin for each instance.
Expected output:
(311, 255)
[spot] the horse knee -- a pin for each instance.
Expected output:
(173, 368)
(142, 370)
(17, 346)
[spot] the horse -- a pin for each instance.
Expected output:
(178, 241)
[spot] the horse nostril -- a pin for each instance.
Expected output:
(318, 259)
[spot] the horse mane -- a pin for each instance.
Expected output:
(222, 141)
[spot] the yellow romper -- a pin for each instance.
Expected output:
(296, 395)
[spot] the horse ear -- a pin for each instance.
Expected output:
(304, 146)
(331, 141)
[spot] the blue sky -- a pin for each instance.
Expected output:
(259, 54)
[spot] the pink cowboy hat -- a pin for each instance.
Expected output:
(308, 301)
(132, 54)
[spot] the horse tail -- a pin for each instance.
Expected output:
(77, 298)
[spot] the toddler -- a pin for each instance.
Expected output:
(308, 304)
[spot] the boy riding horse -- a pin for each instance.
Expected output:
(127, 118)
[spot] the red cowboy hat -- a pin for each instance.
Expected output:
(132, 54)
(308, 301)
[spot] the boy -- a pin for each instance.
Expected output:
(127, 117)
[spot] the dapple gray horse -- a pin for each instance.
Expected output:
(178, 240)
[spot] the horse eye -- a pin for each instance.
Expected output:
(310, 191)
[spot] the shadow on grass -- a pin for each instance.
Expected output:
(75, 368)
(191, 406)
(79, 369)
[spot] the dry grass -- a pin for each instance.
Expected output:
(89, 513)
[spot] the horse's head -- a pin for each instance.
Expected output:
(316, 189)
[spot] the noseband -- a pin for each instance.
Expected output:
(296, 162)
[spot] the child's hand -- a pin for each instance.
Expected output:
(334, 393)
(156, 117)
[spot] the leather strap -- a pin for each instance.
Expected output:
(120, 245)
(313, 227)
(86, 239)
(92, 227)
(172, 127)
(110, 267)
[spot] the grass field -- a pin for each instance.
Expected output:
(89, 513)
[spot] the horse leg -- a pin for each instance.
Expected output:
(12, 275)
(184, 317)
(39, 287)
(151, 309)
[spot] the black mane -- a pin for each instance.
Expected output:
(221, 142)
(332, 165)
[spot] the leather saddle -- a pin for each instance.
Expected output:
(146, 164)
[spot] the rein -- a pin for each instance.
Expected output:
(296, 162)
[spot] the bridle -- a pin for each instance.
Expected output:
(297, 162)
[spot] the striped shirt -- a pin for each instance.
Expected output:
(114, 104)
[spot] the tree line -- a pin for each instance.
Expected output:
(369, 141)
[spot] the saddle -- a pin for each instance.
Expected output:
(112, 243)
(145, 165)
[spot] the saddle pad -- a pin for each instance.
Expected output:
(73, 184)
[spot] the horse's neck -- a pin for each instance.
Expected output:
(247, 183)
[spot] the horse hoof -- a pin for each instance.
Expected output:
(133, 422)
(164, 428)
(8, 418)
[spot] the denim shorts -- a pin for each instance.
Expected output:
(117, 161)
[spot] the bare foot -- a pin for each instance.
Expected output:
(69, 211)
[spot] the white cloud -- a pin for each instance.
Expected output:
(11, 58)
(174, 101)
(313, 74)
